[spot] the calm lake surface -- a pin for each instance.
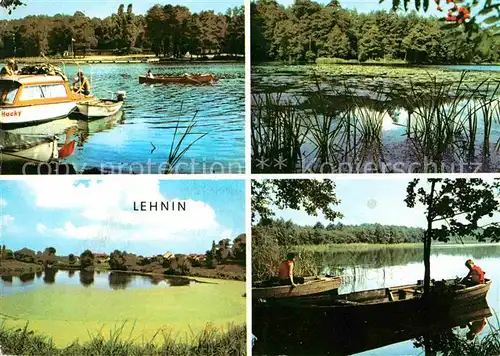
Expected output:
(395, 266)
(126, 143)
(68, 306)
(380, 94)
(101, 280)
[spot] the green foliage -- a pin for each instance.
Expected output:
(312, 196)
(457, 205)
(286, 233)
(71, 259)
(305, 28)
(209, 341)
(117, 260)
(169, 30)
(86, 259)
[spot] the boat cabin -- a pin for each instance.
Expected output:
(27, 90)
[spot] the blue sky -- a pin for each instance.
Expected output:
(98, 214)
(104, 8)
(368, 200)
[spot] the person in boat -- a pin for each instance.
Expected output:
(84, 87)
(475, 275)
(285, 275)
(150, 74)
(10, 68)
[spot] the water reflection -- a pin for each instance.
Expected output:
(7, 279)
(297, 332)
(49, 276)
(96, 279)
(119, 280)
(27, 277)
(86, 278)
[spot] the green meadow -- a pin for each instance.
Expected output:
(67, 313)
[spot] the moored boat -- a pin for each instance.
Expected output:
(24, 148)
(184, 79)
(98, 108)
(311, 286)
(33, 99)
(389, 301)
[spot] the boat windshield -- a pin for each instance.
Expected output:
(8, 92)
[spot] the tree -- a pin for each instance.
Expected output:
(87, 260)
(337, 44)
(212, 256)
(117, 260)
(311, 195)
(10, 4)
(71, 259)
(458, 206)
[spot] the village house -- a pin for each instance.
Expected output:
(101, 258)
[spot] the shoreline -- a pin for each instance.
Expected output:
(25, 268)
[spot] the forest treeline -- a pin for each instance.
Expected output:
(287, 233)
(307, 30)
(165, 30)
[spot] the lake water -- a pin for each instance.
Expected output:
(139, 140)
(399, 266)
(69, 306)
(373, 123)
(101, 280)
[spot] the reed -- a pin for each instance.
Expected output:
(209, 342)
(447, 123)
(278, 134)
(177, 151)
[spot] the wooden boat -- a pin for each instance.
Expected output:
(23, 148)
(389, 300)
(33, 99)
(311, 286)
(185, 79)
(98, 108)
(347, 336)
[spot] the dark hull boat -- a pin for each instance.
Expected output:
(185, 79)
(310, 323)
(311, 286)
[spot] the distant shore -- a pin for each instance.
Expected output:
(129, 59)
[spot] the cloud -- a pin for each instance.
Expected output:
(41, 228)
(105, 211)
(5, 220)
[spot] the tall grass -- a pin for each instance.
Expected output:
(267, 256)
(278, 134)
(443, 127)
(209, 342)
(177, 150)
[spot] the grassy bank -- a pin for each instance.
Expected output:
(209, 342)
(69, 312)
(15, 268)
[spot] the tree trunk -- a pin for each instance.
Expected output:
(428, 241)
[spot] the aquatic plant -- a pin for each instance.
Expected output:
(334, 127)
(177, 151)
(278, 134)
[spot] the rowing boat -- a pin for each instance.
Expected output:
(27, 148)
(185, 79)
(99, 108)
(385, 301)
(311, 286)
